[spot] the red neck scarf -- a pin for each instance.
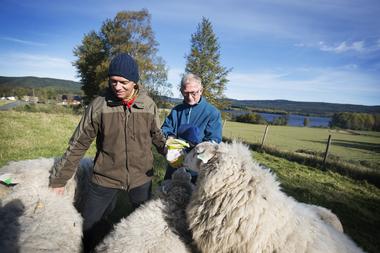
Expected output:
(129, 101)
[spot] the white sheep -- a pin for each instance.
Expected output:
(237, 206)
(158, 225)
(326, 216)
(32, 217)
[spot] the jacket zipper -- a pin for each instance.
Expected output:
(127, 114)
(188, 118)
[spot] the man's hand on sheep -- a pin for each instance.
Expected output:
(59, 190)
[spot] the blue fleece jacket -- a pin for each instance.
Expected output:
(202, 115)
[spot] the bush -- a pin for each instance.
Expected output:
(281, 121)
(356, 121)
(253, 118)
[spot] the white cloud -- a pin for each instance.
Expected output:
(344, 46)
(39, 61)
(339, 85)
(25, 42)
(24, 64)
(360, 46)
(345, 84)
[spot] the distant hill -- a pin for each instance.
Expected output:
(311, 108)
(304, 108)
(59, 85)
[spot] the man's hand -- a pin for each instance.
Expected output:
(170, 137)
(59, 190)
(168, 140)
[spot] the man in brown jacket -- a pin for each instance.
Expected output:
(125, 123)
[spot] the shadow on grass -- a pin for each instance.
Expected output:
(353, 171)
(357, 144)
(351, 144)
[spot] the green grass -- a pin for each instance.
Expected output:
(31, 135)
(4, 102)
(26, 135)
(358, 147)
(51, 107)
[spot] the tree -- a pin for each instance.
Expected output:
(305, 121)
(204, 61)
(355, 121)
(253, 118)
(130, 32)
(281, 121)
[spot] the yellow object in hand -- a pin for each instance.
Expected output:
(176, 154)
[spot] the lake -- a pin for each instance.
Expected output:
(294, 120)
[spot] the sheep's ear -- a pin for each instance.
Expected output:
(206, 151)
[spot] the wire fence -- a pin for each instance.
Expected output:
(361, 148)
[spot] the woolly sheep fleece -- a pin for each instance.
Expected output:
(158, 225)
(32, 217)
(237, 206)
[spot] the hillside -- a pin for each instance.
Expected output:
(318, 108)
(59, 85)
(305, 108)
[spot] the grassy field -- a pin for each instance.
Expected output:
(359, 146)
(31, 135)
(4, 102)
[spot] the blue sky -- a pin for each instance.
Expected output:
(315, 50)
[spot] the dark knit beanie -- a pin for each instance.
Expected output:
(124, 65)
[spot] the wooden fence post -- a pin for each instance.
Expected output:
(265, 135)
(327, 149)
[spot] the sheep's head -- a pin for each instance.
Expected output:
(221, 165)
(180, 175)
(180, 179)
(202, 153)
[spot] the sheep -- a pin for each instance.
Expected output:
(34, 217)
(237, 206)
(159, 225)
(326, 216)
(35, 174)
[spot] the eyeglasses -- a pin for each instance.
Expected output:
(123, 83)
(193, 93)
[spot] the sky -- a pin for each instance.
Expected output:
(314, 51)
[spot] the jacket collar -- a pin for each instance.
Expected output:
(201, 101)
(113, 101)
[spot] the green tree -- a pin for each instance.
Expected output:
(376, 124)
(281, 121)
(19, 92)
(204, 61)
(253, 118)
(130, 32)
(305, 121)
(355, 121)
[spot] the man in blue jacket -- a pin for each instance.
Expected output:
(195, 120)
